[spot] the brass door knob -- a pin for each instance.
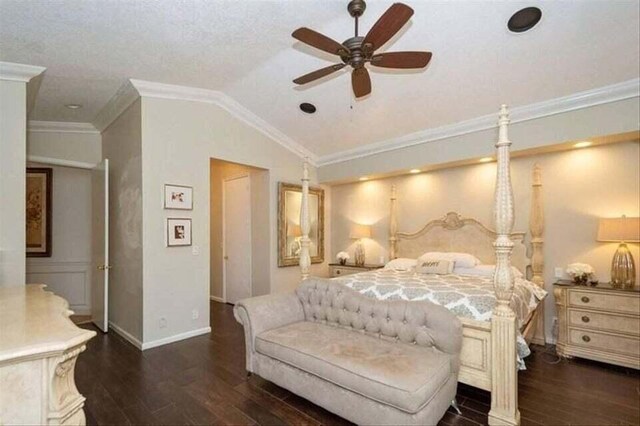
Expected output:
(585, 299)
(586, 338)
(585, 318)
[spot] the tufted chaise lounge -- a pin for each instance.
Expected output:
(369, 361)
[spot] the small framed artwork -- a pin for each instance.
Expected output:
(178, 197)
(38, 211)
(178, 232)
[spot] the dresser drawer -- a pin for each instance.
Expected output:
(605, 342)
(337, 271)
(603, 301)
(604, 321)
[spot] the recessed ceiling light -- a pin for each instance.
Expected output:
(485, 159)
(524, 19)
(307, 107)
(73, 106)
(363, 178)
(414, 171)
(583, 144)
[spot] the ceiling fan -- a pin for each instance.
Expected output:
(357, 51)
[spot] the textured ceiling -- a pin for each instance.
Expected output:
(244, 49)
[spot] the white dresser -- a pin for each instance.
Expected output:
(39, 346)
(600, 323)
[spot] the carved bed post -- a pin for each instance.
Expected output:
(305, 258)
(536, 227)
(393, 225)
(504, 372)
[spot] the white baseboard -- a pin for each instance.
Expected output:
(217, 299)
(126, 335)
(175, 338)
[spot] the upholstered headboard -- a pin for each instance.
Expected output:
(454, 233)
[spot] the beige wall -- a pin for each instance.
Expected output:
(68, 271)
(179, 138)
(601, 120)
(122, 146)
(66, 146)
(260, 236)
(13, 128)
(579, 187)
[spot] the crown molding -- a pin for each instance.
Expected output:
(19, 72)
(589, 98)
(35, 126)
(233, 107)
(61, 162)
(133, 89)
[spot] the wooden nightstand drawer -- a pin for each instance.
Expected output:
(602, 301)
(336, 270)
(604, 341)
(604, 321)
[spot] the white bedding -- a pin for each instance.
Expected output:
(468, 296)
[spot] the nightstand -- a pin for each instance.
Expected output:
(599, 322)
(338, 270)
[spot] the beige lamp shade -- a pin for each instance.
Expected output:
(619, 229)
(294, 231)
(360, 231)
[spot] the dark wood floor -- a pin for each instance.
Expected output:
(202, 381)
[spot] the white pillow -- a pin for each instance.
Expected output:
(401, 264)
(464, 260)
(484, 271)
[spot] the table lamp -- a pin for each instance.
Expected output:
(358, 232)
(621, 230)
(294, 231)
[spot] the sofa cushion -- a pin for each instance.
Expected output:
(397, 374)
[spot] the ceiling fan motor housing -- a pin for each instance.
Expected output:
(356, 8)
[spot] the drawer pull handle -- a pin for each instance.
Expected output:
(585, 319)
(585, 299)
(338, 272)
(586, 338)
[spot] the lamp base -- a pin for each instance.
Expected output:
(359, 254)
(623, 269)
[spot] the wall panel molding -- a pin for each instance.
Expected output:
(69, 279)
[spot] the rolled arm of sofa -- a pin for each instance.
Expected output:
(262, 313)
(446, 331)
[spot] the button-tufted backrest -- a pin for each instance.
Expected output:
(411, 322)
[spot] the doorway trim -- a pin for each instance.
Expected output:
(224, 235)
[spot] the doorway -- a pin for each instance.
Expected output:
(239, 227)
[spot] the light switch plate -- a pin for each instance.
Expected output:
(195, 250)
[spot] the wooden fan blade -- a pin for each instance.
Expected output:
(319, 41)
(360, 82)
(401, 59)
(389, 23)
(318, 74)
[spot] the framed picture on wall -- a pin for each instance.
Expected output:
(178, 197)
(178, 232)
(38, 211)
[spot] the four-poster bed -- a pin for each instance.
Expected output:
(489, 353)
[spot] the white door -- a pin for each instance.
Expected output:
(236, 238)
(100, 257)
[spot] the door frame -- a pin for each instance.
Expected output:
(224, 235)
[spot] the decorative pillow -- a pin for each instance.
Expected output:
(483, 271)
(463, 260)
(441, 267)
(401, 264)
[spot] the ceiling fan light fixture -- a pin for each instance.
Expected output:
(524, 19)
(73, 106)
(307, 107)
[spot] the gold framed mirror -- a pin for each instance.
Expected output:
(289, 233)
